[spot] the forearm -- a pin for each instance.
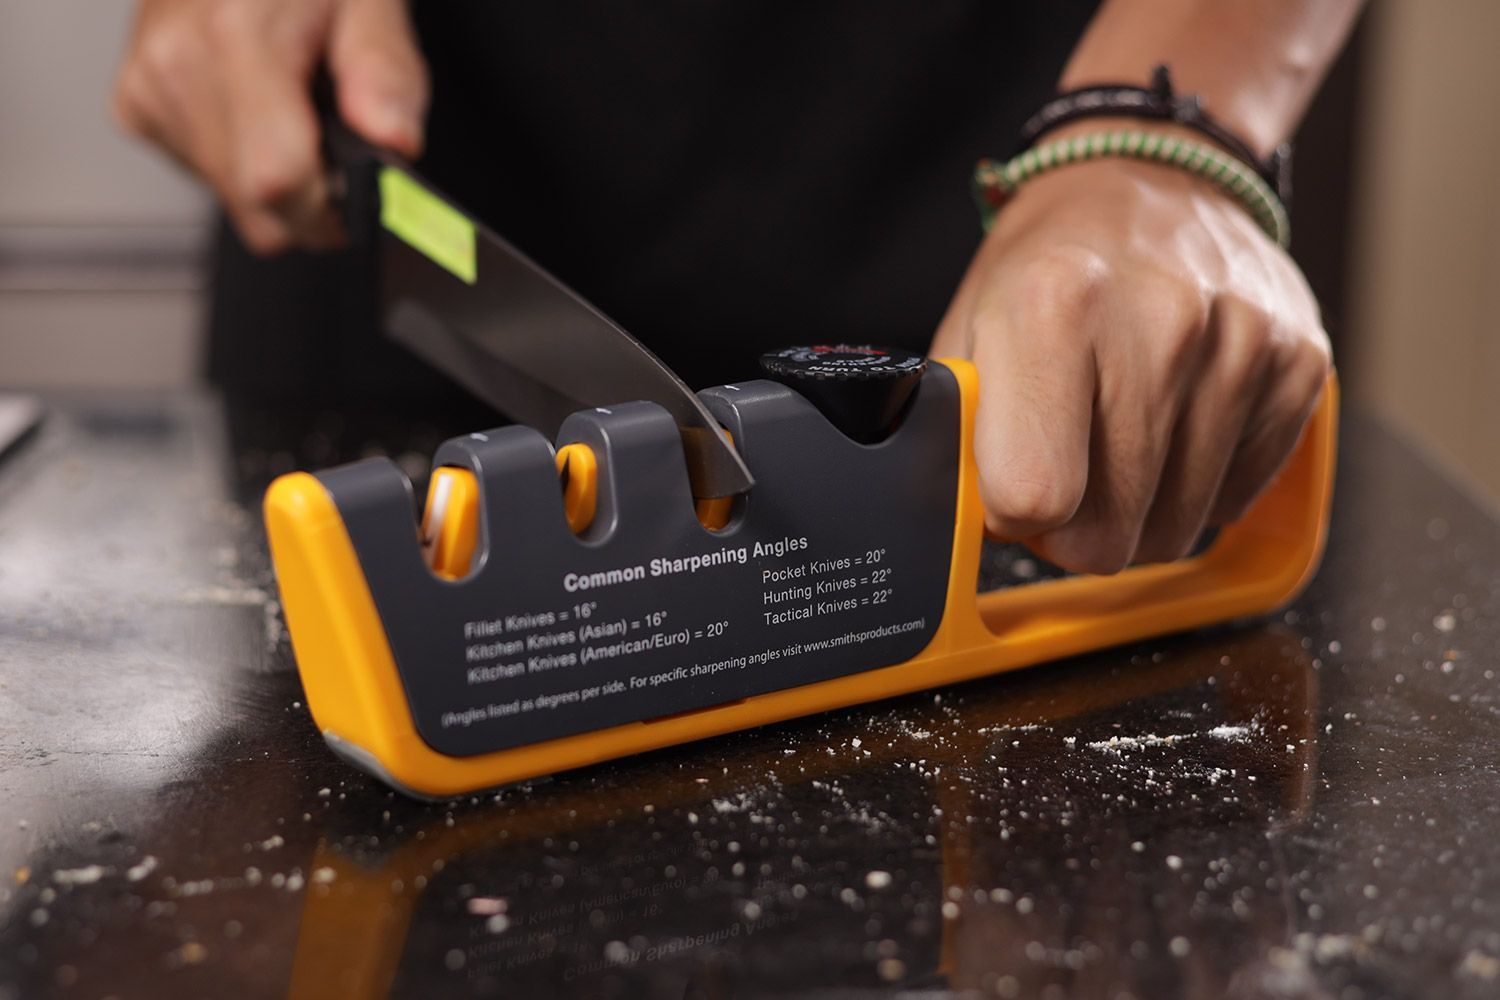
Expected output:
(1255, 63)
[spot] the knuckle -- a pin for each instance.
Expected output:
(1249, 346)
(1301, 360)
(1174, 314)
(169, 54)
(1032, 503)
(1252, 323)
(1087, 549)
(1314, 356)
(1173, 301)
(1060, 283)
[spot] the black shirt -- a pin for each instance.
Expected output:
(720, 177)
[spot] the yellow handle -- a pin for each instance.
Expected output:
(1255, 565)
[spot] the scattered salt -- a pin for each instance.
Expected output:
(141, 869)
(86, 875)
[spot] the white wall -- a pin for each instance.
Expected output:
(98, 237)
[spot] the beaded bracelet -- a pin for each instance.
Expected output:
(995, 183)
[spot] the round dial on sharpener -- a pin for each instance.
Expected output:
(860, 388)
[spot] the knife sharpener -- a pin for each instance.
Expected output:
(548, 627)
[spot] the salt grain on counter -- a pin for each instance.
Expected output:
(191, 953)
(86, 875)
(141, 869)
(225, 596)
(1479, 965)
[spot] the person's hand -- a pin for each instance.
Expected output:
(224, 87)
(1147, 360)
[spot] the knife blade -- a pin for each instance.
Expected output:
(468, 302)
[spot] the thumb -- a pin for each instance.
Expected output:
(379, 74)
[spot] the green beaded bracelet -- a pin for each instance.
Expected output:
(995, 183)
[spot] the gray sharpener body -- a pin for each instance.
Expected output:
(835, 563)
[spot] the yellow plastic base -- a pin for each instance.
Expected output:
(355, 693)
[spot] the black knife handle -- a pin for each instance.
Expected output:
(350, 163)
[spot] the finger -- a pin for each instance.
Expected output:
(1292, 394)
(1037, 378)
(380, 75)
(278, 188)
(1141, 392)
(168, 93)
(1208, 432)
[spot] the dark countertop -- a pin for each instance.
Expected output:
(1303, 807)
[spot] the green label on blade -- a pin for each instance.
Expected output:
(427, 223)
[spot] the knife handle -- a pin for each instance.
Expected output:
(350, 164)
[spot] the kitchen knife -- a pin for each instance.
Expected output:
(486, 315)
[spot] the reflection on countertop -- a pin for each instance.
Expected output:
(1293, 808)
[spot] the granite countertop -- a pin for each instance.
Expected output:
(1296, 807)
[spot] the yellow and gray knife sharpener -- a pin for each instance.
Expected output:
(567, 605)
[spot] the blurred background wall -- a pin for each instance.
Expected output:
(1397, 219)
(1424, 266)
(98, 237)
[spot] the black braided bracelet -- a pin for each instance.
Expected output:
(1159, 103)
